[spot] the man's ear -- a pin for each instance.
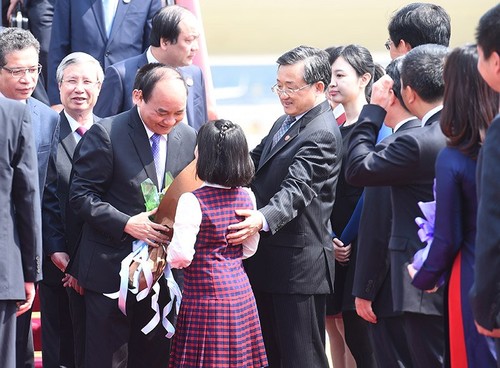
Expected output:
(410, 95)
(404, 46)
(136, 96)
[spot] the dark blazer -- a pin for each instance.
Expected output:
(294, 186)
(372, 279)
(78, 25)
(21, 230)
(116, 92)
(485, 294)
(113, 159)
(407, 165)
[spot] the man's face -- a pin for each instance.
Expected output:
(184, 50)
(166, 107)
(79, 88)
(489, 68)
(22, 87)
(292, 77)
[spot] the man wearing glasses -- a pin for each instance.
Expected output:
(19, 70)
(297, 166)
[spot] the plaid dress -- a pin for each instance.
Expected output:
(218, 323)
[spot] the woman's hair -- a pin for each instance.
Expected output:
(469, 104)
(361, 60)
(223, 156)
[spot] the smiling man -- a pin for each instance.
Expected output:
(114, 158)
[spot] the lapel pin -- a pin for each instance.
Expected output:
(126, 1)
(287, 138)
(189, 81)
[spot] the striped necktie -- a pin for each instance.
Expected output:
(287, 123)
(155, 150)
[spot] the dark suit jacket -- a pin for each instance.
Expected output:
(294, 186)
(485, 294)
(116, 92)
(21, 229)
(113, 159)
(407, 165)
(372, 279)
(70, 224)
(78, 25)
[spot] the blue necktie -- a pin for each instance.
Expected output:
(109, 9)
(155, 149)
(287, 123)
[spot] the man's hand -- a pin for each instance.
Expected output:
(142, 228)
(341, 251)
(70, 281)
(60, 259)
(12, 7)
(241, 231)
(412, 271)
(364, 310)
(29, 289)
(382, 91)
(491, 333)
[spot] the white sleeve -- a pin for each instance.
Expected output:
(187, 222)
(250, 244)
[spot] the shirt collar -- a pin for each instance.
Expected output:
(430, 113)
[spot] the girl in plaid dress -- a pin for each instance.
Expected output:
(218, 323)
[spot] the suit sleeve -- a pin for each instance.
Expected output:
(26, 198)
(60, 46)
(53, 231)
(393, 165)
(110, 101)
(92, 178)
(315, 161)
(485, 294)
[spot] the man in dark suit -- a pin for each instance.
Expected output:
(407, 166)
(297, 166)
(372, 279)
(109, 35)
(174, 42)
(113, 159)
(21, 230)
(63, 313)
(485, 294)
(18, 78)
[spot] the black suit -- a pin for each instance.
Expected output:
(407, 165)
(372, 279)
(113, 159)
(20, 214)
(294, 186)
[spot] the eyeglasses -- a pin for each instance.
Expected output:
(287, 91)
(388, 44)
(87, 83)
(21, 72)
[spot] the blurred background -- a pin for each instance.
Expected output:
(244, 39)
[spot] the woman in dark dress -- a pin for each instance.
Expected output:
(469, 106)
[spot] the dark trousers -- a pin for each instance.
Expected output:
(425, 337)
(25, 353)
(77, 313)
(293, 328)
(57, 331)
(114, 340)
(7, 333)
(358, 338)
(389, 340)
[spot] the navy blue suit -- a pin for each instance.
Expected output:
(116, 92)
(79, 26)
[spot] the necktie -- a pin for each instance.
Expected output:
(341, 119)
(81, 130)
(109, 8)
(155, 149)
(289, 120)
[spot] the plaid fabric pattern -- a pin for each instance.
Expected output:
(218, 323)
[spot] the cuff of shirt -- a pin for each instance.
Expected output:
(265, 225)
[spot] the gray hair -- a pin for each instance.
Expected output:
(16, 39)
(78, 58)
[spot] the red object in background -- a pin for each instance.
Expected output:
(36, 326)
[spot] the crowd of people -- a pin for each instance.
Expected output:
(313, 231)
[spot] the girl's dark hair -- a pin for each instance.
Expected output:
(223, 156)
(469, 104)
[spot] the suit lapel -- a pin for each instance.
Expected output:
(121, 11)
(66, 137)
(190, 102)
(173, 150)
(98, 11)
(35, 121)
(140, 140)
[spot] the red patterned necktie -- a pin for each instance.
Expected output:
(81, 130)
